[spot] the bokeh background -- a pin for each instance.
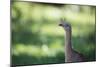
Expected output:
(36, 37)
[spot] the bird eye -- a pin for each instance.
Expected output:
(67, 25)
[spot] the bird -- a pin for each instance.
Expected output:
(70, 54)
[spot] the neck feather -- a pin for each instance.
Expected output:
(68, 40)
(68, 46)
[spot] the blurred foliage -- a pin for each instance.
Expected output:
(37, 39)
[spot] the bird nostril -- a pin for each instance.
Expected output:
(60, 25)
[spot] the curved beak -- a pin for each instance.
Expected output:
(60, 24)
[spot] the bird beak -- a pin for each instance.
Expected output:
(60, 24)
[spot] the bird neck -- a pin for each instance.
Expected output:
(68, 46)
(68, 40)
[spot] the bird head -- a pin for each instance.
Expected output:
(65, 25)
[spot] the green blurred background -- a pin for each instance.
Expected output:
(37, 39)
